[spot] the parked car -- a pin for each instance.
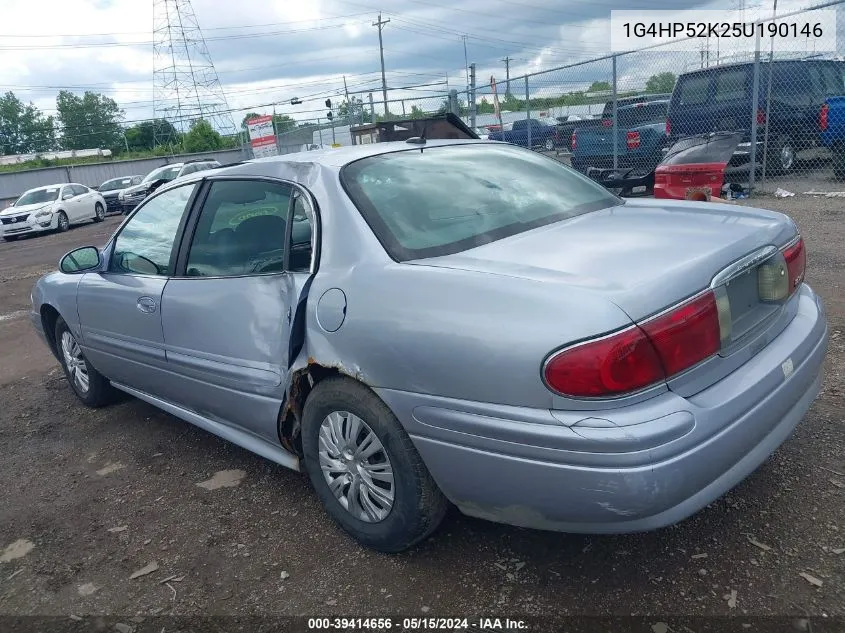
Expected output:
(605, 120)
(132, 196)
(51, 208)
(640, 137)
(512, 337)
(111, 189)
(721, 98)
(528, 133)
(566, 126)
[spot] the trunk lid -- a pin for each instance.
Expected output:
(644, 255)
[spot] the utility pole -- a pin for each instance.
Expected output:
(507, 61)
(372, 110)
(380, 24)
(466, 63)
(472, 106)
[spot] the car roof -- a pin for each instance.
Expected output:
(731, 65)
(301, 167)
(44, 187)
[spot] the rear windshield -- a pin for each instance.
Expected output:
(693, 89)
(447, 199)
(642, 114)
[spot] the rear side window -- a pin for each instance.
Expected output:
(693, 90)
(731, 85)
(442, 200)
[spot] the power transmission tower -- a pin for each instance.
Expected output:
(380, 24)
(507, 61)
(185, 84)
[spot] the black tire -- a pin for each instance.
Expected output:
(99, 392)
(99, 213)
(11, 238)
(781, 157)
(549, 144)
(62, 224)
(418, 505)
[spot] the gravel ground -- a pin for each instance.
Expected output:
(92, 498)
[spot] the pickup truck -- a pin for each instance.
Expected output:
(541, 134)
(640, 138)
(832, 126)
(565, 128)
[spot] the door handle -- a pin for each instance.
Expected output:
(147, 304)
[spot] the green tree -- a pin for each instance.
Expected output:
(90, 121)
(143, 135)
(249, 115)
(23, 128)
(202, 138)
(660, 83)
(417, 113)
(599, 86)
(283, 123)
(484, 107)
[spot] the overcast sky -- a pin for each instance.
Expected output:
(268, 51)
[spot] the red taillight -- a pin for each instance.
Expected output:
(796, 263)
(632, 140)
(823, 113)
(572, 142)
(686, 335)
(612, 365)
(639, 356)
(761, 117)
(607, 122)
(668, 127)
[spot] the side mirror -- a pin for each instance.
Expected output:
(67, 196)
(80, 260)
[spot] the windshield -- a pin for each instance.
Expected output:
(443, 200)
(117, 183)
(168, 172)
(38, 196)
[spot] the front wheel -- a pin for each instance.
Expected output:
(62, 224)
(365, 470)
(99, 212)
(89, 385)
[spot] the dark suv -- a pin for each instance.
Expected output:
(719, 99)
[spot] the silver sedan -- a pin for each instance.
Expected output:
(421, 323)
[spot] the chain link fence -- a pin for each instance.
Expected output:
(625, 110)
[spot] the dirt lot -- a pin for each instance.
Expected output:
(89, 497)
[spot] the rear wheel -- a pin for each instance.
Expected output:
(364, 468)
(781, 157)
(550, 144)
(89, 385)
(99, 212)
(62, 223)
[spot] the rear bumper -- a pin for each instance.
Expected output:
(628, 469)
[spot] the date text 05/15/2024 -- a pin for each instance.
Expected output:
(417, 623)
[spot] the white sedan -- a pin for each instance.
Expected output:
(51, 208)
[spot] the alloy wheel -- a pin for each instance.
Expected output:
(75, 362)
(356, 466)
(787, 157)
(98, 209)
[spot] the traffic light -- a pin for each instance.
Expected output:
(330, 115)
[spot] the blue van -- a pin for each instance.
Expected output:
(720, 98)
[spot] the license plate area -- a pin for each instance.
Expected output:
(750, 315)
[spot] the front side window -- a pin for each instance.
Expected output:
(79, 190)
(241, 229)
(145, 244)
(442, 200)
(67, 193)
